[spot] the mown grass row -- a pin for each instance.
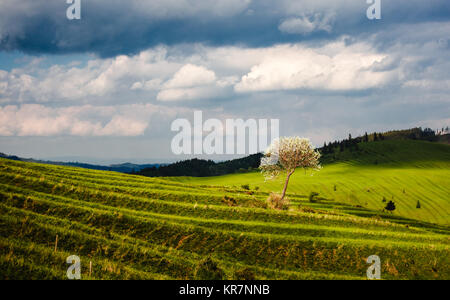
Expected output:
(140, 230)
(95, 191)
(124, 251)
(275, 251)
(45, 203)
(114, 200)
(80, 183)
(73, 172)
(364, 186)
(181, 194)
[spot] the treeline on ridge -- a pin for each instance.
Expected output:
(330, 153)
(203, 168)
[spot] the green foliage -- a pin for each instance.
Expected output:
(201, 168)
(390, 206)
(245, 274)
(208, 269)
(245, 187)
(230, 201)
(134, 227)
(313, 197)
(388, 152)
(403, 164)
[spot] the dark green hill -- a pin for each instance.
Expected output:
(412, 153)
(204, 168)
(414, 147)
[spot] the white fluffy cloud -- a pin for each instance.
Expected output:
(165, 74)
(208, 73)
(99, 78)
(168, 77)
(104, 97)
(190, 82)
(87, 120)
(187, 93)
(191, 75)
(149, 85)
(334, 66)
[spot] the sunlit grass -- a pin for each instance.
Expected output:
(134, 227)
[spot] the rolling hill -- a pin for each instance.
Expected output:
(404, 171)
(122, 168)
(134, 227)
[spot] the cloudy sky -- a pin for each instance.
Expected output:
(107, 87)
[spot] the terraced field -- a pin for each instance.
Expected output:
(402, 171)
(133, 227)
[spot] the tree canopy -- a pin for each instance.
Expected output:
(287, 154)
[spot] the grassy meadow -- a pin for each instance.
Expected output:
(402, 171)
(133, 227)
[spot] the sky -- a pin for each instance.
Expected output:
(107, 87)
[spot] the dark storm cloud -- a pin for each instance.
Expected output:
(321, 67)
(116, 27)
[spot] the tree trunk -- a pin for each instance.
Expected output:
(286, 184)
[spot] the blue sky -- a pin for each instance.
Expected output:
(108, 86)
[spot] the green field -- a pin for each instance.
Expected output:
(405, 172)
(133, 227)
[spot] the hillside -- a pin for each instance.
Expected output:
(394, 153)
(133, 227)
(122, 168)
(404, 171)
(344, 150)
(201, 168)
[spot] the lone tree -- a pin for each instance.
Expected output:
(390, 206)
(285, 155)
(418, 204)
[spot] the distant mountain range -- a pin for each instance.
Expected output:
(122, 168)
